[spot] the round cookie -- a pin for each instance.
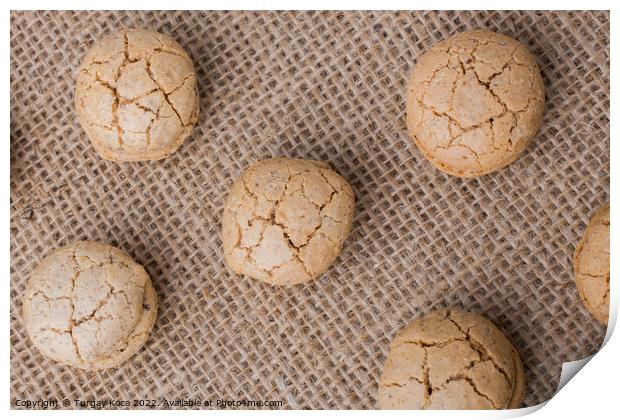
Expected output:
(451, 359)
(285, 220)
(474, 102)
(592, 265)
(89, 305)
(136, 95)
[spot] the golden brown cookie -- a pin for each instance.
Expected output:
(592, 265)
(451, 359)
(474, 102)
(136, 95)
(89, 305)
(285, 220)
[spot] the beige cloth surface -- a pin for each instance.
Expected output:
(327, 86)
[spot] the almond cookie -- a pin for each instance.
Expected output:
(285, 220)
(474, 102)
(592, 265)
(136, 95)
(89, 305)
(451, 359)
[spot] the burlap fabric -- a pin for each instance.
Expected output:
(327, 86)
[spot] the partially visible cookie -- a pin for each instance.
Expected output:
(89, 305)
(136, 95)
(592, 265)
(285, 220)
(451, 359)
(474, 102)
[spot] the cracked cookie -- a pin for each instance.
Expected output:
(136, 95)
(451, 359)
(89, 305)
(474, 102)
(592, 265)
(285, 220)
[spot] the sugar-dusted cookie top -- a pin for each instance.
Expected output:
(451, 359)
(89, 305)
(285, 220)
(474, 101)
(136, 95)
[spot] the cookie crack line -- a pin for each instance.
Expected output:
(163, 92)
(507, 64)
(596, 276)
(322, 217)
(104, 301)
(46, 298)
(402, 383)
(77, 322)
(589, 302)
(427, 344)
(276, 204)
(134, 100)
(250, 257)
(510, 62)
(159, 88)
(294, 250)
(486, 86)
(76, 273)
(463, 377)
(480, 167)
(453, 120)
(476, 345)
(428, 389)
(464, 69)
(426, 369)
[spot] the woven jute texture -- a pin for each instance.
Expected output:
(317, 85)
